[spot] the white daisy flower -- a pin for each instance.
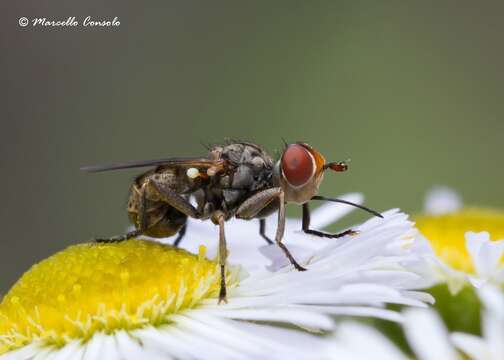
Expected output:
(141, 299)
(464, 245)
(427, 336)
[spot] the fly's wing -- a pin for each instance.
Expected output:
(167, 162)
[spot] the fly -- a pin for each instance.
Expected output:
(237, 179)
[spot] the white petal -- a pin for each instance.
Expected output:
(109, 349)
(130, 349)
(493, 320)
(24, 353)
(44, 353)
(485, 254)
(473, 346)
(100, 346)
(72, 350)
(201, 346)
(362, 311)
(304, 319)
(427, 335)
(279, 343)
(420, 296)
(473, 242)
(218, 331)
(441, 272)
(366, 343)
(160, 341)
(493, 300)
(254, 341)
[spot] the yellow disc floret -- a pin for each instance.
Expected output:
(446, 233)
(92, 288)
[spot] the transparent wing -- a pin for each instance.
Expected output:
(167, 162)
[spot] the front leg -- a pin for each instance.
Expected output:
(254, 204)
(307, 230)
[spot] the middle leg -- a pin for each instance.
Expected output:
(280, 233)
(262, 231)
(257, 202)
(180, 235)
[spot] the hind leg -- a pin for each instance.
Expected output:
(141, 226)
(180, 235)
(120, 238)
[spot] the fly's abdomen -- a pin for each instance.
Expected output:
(161, 219)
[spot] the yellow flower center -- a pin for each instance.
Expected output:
(92, 288)
(446, 233)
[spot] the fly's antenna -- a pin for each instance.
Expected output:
(371, 211)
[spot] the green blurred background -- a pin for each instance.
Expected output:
(411, 92)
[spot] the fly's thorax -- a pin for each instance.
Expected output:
(241, 152)
(251, 167)
(297, 194)
(248, 169)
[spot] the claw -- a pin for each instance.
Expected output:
(299, 267)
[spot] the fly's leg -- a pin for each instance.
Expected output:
(178, 202)
(141, 226)
(180, 235)
(307, 230)
(280, 233)
(218, 217)
(254, 204)
(262, 231)
(173, 199)
(116, 239)
(168, 196)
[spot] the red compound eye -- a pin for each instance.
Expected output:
(297, 165)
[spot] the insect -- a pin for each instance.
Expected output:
(237, 179)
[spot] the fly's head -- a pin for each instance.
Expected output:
(300, 171)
